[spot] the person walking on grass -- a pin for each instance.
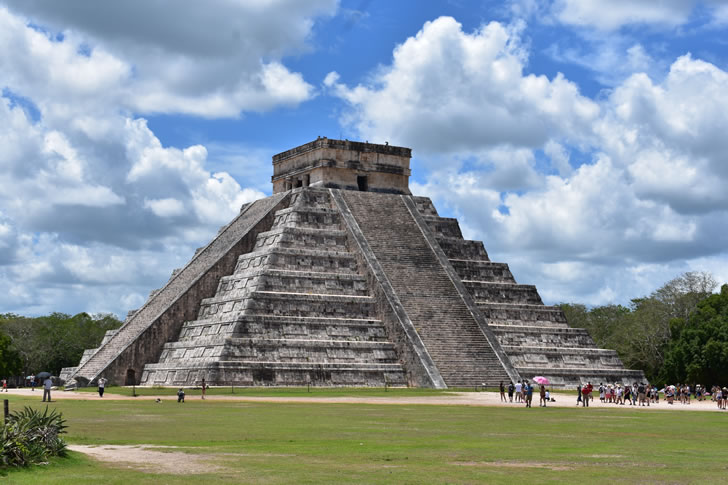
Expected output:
(47, 384)
(102, 386)
(181, 395)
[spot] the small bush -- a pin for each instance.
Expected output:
(31, 437)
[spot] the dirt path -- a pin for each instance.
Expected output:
(150, 458)
(453, 399)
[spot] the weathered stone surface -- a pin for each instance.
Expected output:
(343, 164)
(357, 287)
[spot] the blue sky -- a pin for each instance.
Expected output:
(583, 141)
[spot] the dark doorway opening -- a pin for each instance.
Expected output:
(130, 378)
(299, 183)
(361, 181)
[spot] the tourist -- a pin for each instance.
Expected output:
(181, 395)
(502, 392)
(578, 394)
(641, 394)
(32, 383)
(601, 392)
(619, 396)
(529, 395)
(47, 384)
(5, 385)
(204, 388)
(102, 386)
(586, 391)
(524, 390)
(510, 392)
(627, 394)
(518, 391)
(542, 396)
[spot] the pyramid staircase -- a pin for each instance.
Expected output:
(536, 337)
(455, 339)
(296, 310)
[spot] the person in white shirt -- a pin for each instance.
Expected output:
(47, 384)
(518, 392)
(102, 386)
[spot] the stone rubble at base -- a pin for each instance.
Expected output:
(342, 278)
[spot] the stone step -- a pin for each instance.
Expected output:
(278, 350)
(275, 326)
(296, 259)
(476, 270)
(291, 281)
(560, 357)
(289, 304)
(523, 315)
(491, 292)
(518, 335)
(425, 206)
(303, 237)
(276, 374)
(307, 217)
(459, 248)
(446, 227)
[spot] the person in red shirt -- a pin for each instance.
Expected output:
(585, 393)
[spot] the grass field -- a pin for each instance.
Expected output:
(239, 442)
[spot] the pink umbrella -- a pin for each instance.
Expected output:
(541, 380)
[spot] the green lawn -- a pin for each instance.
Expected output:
(363, 443)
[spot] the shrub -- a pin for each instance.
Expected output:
(31, 437)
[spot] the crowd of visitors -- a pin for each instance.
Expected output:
(637, 394)
(523, 393)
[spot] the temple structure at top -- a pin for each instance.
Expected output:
(343, 278)
(343, 164)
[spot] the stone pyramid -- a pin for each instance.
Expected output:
(343, 278)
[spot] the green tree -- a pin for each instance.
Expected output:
(642, 333)
(10, 364)
(51, 342)
(699, 350)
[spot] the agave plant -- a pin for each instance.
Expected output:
(31, 437)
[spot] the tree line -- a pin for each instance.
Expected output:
(29, 345)
(677, 334)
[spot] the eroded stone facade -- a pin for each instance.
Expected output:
(339, 282)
